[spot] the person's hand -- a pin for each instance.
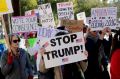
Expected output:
(88, 30)
(104, 31)
(10, 58)
(109, 31)
(27, 43)
(86, 53)
(42, 51)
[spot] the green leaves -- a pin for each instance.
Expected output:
(27, 5)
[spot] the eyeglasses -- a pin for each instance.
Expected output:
(15, 41)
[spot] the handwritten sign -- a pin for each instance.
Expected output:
(32, 12)
(81, 16)
(102, 17)
(73, 25)
(46, 15)
(65, 49)
(44, 32)
(24, 24)
(65, 10)
(5, 7)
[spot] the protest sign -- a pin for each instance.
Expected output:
(73, 25)
(103, 17)
(5, 7)
(46, 15)
(63, 49)
(24, 24)
(81, 16)
(65, 10)
(44, 32)
(32, 12)
(88, 20)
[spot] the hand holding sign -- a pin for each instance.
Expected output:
(42, 51)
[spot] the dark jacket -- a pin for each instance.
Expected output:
(92, 46)
(20, 67)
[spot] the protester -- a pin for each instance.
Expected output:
(69, 71)
(115, 57)
(15, 63)
(95, 54)
(107, 42)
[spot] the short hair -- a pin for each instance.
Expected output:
(10, 37)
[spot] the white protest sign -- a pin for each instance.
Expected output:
(63, 49)
(88, 20)
(5, 7)
(65, 10)
(103, 17)
(28, 13)
(44, 32)
(46, 15)
(24, 24)
(81, 16)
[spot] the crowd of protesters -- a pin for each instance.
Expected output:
(15, 62)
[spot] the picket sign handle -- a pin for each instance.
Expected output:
(6, 35)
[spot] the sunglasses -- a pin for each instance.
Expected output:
(15, 41)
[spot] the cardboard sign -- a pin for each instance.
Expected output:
(63, 49)
(73, 25)
(5, 7)
(24, 24)
(65, 10)
(81, 16)
(103, 17)
(46, 15)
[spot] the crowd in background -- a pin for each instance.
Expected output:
(102, 47)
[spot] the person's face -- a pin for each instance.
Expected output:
(94, 33)
(15, 42)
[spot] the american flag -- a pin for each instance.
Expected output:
(64, 59)
(78, 40)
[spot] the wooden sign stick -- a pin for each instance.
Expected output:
(6, 35)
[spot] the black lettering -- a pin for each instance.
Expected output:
(81, 46)
(76, 48)
(59, 40)
(61, 54)
(73, 36)
(68, 51)
(53, 42)
(54, 54)
(66, 39)
(48, 55)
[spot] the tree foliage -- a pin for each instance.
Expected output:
(79, 5)
(27, 5)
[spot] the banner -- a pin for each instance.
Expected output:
(65, 10)
(73, 25)
(5, 7)
(81, 16)
(103, 17)
(65, 49)
(24, 24)
(46, 15)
